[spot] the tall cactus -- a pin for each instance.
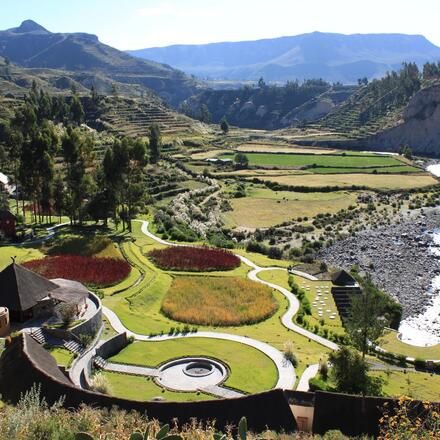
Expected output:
(242, 428)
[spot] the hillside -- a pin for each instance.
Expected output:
(32, 46)
(332, 57)
(268, 107)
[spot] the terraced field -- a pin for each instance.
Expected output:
(330, 163)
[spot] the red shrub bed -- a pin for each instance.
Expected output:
(196, 259)
(87, 270)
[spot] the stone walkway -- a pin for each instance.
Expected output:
(310, 372)
(220, 391)
(132, 369)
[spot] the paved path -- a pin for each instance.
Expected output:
(310, 372)
(287, 318)
(132, 369)
(220, 391)
(286, 372)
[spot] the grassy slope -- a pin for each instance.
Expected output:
(251, 370)
(391, 343)
(417, 385)
(142, 388)
(62, 356)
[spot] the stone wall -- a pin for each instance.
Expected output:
(113, 346)
(92, 325)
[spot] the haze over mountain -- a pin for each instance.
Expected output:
(333, 57)
(32, 46)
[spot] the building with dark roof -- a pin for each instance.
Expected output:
(28, 295)
(343, 289)
(8, 223)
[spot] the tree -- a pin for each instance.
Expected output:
(205, 114)
(350, 373)
(76, 111)
(224, 125)
(155, 144)
(241, 160)
(368, 318)
(406, 152)
(261, 83)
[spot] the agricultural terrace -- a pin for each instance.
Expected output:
(263, 207)
(251, 370)
(329, 163)
(99, 272)
(190, 258)
(373, 181)
(217, 301)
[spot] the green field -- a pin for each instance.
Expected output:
(328, 163)
(264, 207)
(423, 386)
(62, 356)
(391, 343)
(144, 388)
(251, 370)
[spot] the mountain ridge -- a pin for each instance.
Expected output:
(330, 56)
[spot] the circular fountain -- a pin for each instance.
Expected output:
(191, 374)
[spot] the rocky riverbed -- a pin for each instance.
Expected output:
(398, 257)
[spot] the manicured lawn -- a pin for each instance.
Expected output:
(264, 207)
(62, 356)
(143, 388)
(22, 253)
(251, 370)
(281, 278)
(218, 301)
(423, 386)
(376, 181)
(319, 160)
(390, 343)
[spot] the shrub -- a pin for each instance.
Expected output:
(419, 364)
(289, 353)
(67, 313)
(197, 259)
(218, 301)
(101, 384)
(87, 270)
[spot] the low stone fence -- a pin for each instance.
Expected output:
(113, 346)
(93, 324)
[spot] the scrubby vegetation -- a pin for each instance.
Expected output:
(197, 259)
(218, 301)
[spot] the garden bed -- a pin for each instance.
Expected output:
(218, 301)
(98, 272)
(194, 259)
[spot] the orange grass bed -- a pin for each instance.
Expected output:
(218, 301)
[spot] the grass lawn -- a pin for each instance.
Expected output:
(281, 278)
(251, 370)
(423, 386)
(143, 388)
(374, 181)
(390, 343)
(139, 306)
(62, 356)
(319, 160)
(22, 253)
(264, 207)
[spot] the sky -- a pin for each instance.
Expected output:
(135, 24)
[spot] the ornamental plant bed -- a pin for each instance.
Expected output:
(218, 301)
(194, 259)
(98, 272)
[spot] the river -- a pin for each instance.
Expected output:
(424, 330)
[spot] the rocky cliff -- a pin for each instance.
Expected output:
(419, 128)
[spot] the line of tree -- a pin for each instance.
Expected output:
(46, 131)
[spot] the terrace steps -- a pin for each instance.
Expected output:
(100, 362)
(74, 346)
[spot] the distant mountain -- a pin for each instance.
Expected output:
(32, 46)
(332, 57)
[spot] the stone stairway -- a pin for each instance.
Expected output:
(40, 336)
(74, 346)
(100, 362)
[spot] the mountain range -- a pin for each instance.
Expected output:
(32, 46)
(332, 57)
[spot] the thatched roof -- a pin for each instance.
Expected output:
(21, 289)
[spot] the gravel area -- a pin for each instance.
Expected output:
(398, 257)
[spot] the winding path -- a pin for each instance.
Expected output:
(286, 371)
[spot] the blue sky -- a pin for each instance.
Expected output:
(134, 24)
